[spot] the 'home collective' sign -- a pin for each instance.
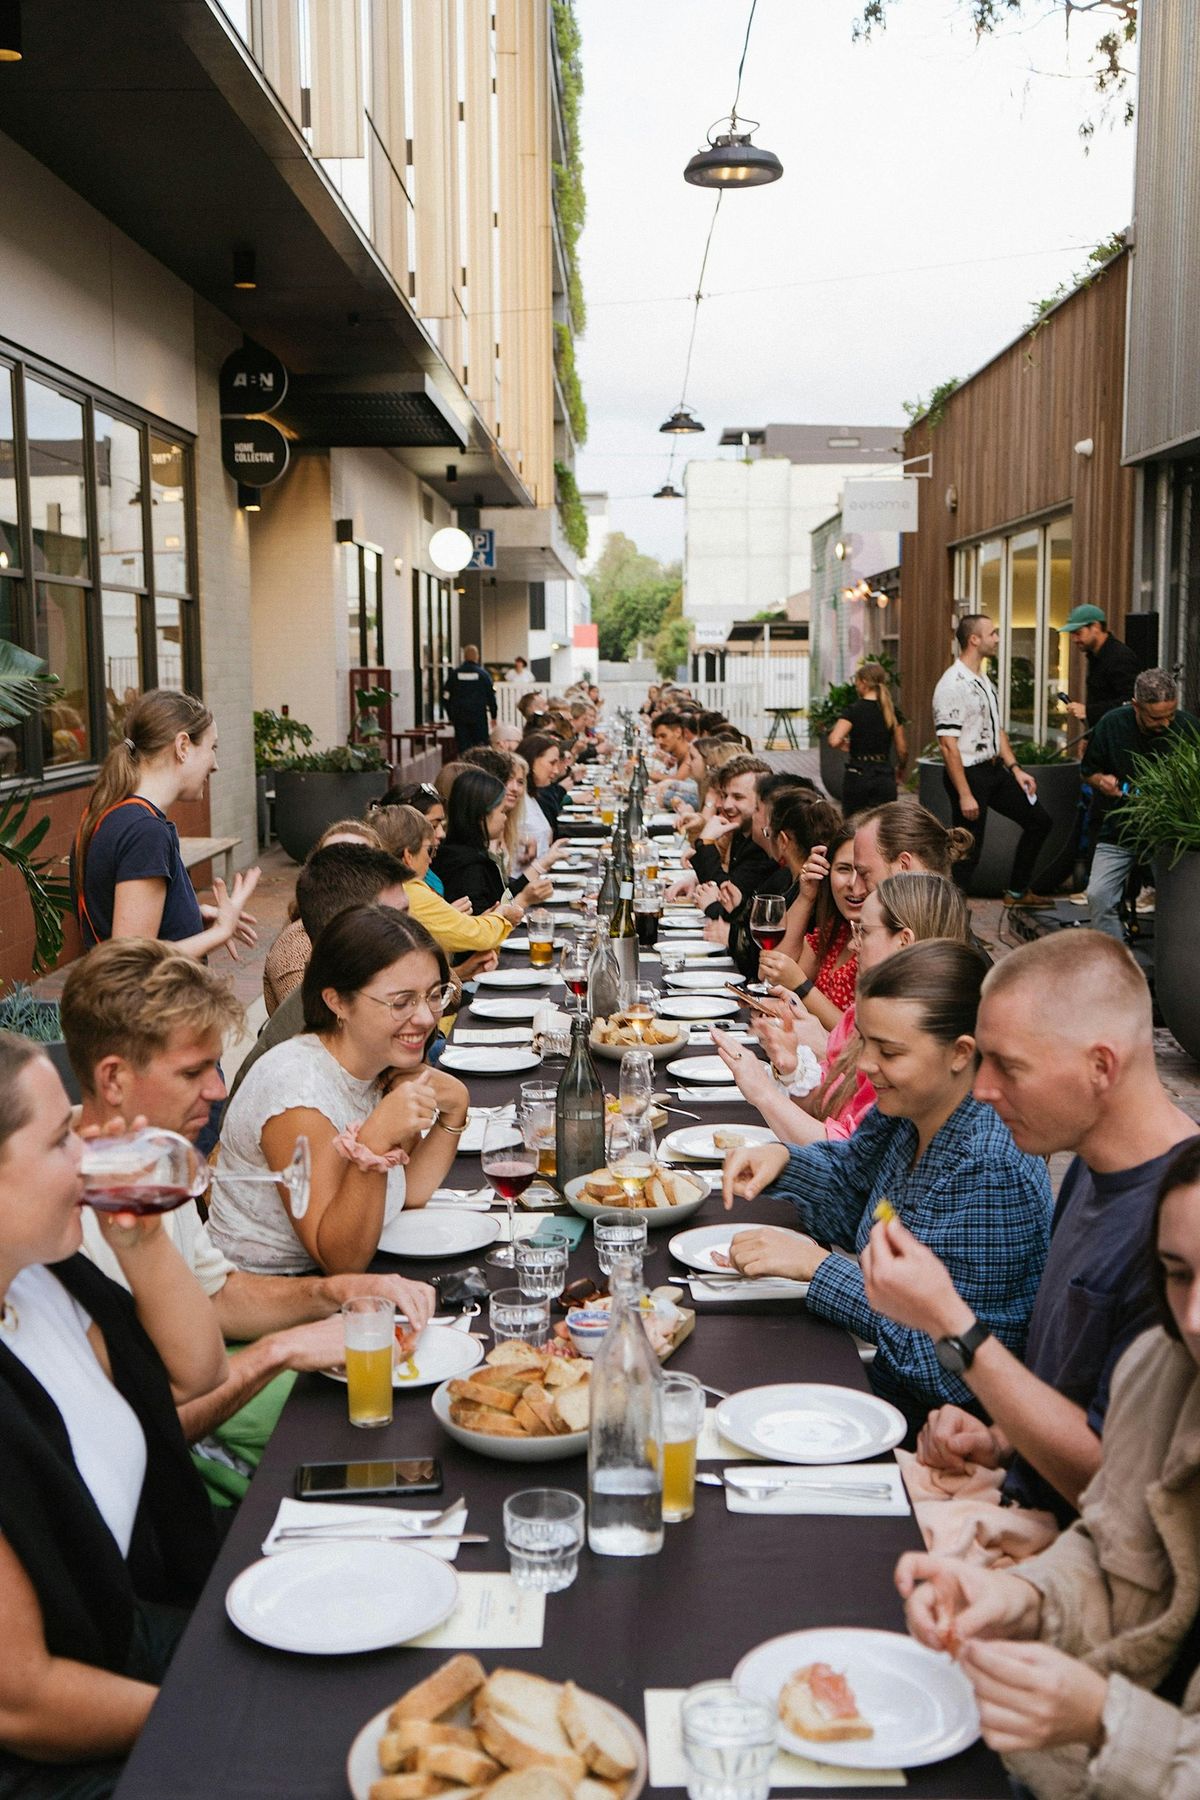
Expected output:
(253, 451)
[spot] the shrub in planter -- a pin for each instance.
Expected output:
(312, 791)
(1058, 783)
(1160, 822)
(23, 1013)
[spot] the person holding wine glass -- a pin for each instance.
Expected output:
(509, 1161)
(824, 973)
(383, 1125)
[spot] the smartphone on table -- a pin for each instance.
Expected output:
(369, 1480)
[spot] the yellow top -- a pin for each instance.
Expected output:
(454, 930)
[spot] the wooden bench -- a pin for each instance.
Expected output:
(209, 849)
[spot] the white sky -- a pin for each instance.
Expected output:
(933, 190)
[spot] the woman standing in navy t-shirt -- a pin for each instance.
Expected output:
(128, 868)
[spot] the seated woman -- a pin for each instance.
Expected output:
(1086, 1659)
(834, 1095)
(475, 815)
(946, 1163)
(524, 852)
(382, 1126)
(105, 1531)
(547, 762)
(454, 930)
(824, 974)
(287, 959)
(424, 798)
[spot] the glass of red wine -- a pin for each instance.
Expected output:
(767, 920)
(509, 1163)
(573, 967)
(154, 1171)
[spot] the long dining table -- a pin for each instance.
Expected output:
(245, 1722)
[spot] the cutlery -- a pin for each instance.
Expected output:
(778, 1484)
(334, 1534)
(429, 1524)
(682, 1111)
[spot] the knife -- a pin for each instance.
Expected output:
(336, 1532)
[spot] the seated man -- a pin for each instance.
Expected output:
(1067, 1060)
(144, 1029)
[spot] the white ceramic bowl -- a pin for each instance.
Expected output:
(660, 1052)
(518, 1450)
(653, 1215)
(587, 1329)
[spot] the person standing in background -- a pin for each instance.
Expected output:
(1112, 667)
(469, 698)
(869, 729)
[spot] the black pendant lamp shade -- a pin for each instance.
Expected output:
(681, 422)
(668, 491)
(732, 161)
(10, 31)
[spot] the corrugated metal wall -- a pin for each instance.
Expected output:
(1163, 401)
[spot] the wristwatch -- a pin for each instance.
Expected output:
(805, 987)
(956, 1354)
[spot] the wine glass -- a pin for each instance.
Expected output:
(629, 1154)
(766, 920)
(636, 1088)
(573, 967)
(637, 1003)
(154, 1171)
(509, 1164)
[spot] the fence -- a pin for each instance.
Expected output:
(755, 686)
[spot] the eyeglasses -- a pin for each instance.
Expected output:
(402, 1006)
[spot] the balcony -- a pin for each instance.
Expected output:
(530, 545)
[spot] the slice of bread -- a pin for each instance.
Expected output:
(531, 1784)
(487, 1419)
(484, 1394)
(516, 1715)
(573, 1407)
(800, 1712)
(398, 1748)
(531, 1424)
(566, 1371)
(604, 1747)
(450, 1763)
(590, 1788)
(405, 1787)
(513, 1352)
(446, 1688)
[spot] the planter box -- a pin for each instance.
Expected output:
(833, 769)
(1058, 791)
(1176, 926)
(305, 804)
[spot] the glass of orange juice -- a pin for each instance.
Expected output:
(683, 1415)
(369, 1329)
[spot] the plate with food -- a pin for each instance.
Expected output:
(613, 1036)
(705, 1248)
(519, 1012)
(703, 1071)
(666, 1323)
(439, 1352)
(516, 978)
(699, 1008)
(338, 1599)
(863, 1699)
(668, 1196)
(523, 1405)
(513, 1735)
(483, 1059)
(709, 1143)
(438, 1232)
(810, 1422)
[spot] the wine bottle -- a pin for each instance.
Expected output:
(579, 1112)
(604, 976)
(623, 932)
(625, 1431)
(606, 899)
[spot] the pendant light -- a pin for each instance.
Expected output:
(682, 422)
(732, 160)
(10, 31)
(668, 491)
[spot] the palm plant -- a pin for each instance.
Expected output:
(25, 687)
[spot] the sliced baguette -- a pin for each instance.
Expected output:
(565, 1371)
(516, 1715)
(446, 1688)
(573, 1407)
(398, 1748)
(592, 1789)
(531, 1784)
(487, 1419)
(405, 1787)
(450, 1763)
(484, 1394)
(800, 1713)
(519, 1355)
(602, 1744)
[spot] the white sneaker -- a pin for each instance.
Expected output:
(1076, 899)
(1145, 901)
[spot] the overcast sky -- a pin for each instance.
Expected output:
(933, 190)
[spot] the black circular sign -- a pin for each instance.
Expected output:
(254, 451)
(252, 381)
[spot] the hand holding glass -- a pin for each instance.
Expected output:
(154, 1171)
(767, 920)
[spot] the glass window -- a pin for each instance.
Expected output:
(1058, 644)
(12, 740)
(168, 634)
(987, 594)
(119, 501)
(1022, 624)
(372, 604)
(10, 547)
(357, 641)
(63, 642)
(57, 488)
(122, 657)
(168, 500)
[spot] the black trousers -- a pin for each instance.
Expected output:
(867, 785)
(471, 731)
(996, 789)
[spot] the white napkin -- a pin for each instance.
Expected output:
(496, 1034)
(471, 1140)
(365, 1518)
(464, 1199)
(794, 1498)
(549, 1017)
(702, 1037)
(765, 1287)
(719, 1094)
(521, 1228)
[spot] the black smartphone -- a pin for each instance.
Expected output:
(365, 1480)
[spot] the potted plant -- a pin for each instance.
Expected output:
(824, 713)
(313, 788)
(1058, 783)
(1160, 822)
(276, 736)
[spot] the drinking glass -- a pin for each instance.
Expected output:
(573, 967)
(728, 1742)
(154, 1171)
(616, 1234)
(647, 911)
(636, 1088)
(369, 1333)
(638, 1000)
(543, 1532)
(672, 958)
(541, 1264)
(645, 857)
(539, 922)
(629, 1153)
(683, 1415)
(608, 807)
(510, 1167)
(767, 920)
(521, 1318)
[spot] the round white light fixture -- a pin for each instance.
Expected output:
(451, 549)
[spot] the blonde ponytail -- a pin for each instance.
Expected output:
(873, 674)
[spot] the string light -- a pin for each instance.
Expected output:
(731, 159)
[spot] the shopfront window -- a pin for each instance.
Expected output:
(57, 481)
(364, 605)
(63, 641)
(1021, 632)
(1023, 583)
(10, 549)
(1058, 645)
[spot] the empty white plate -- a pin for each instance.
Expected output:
(441, 1353)
(701, 980)
(516, 978)
(918, 1700)
(438, 1233)
(699, 947)
(810, 1422)
(695, 1248)
(484, 1061)
(336, 1599)
(697, 1141)
(523, 1010)
(702, 1069)
(697, 1006)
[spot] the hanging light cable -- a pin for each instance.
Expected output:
(683, 421)
(732, 159)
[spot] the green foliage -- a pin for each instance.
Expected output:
(1162, 814)
(933, 410)
(1029, 754)
(25, 686)
(572, 512)
(275, 738)
(343, 759)
(671, 645)
(823, 713)
(28, 1017)
(569, 197)
(568, 375)
(370, 701)
(631, 594)
(770, 615)
(1098, 260)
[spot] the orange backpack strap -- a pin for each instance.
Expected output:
(84, 917)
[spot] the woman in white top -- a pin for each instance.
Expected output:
(382, 1126)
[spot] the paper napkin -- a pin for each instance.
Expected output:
(664, 1740)
(712, 1447)
(471, 1140)
(465, 1199)
(493, 1613)
(764, 1287)
(795, 1499)
(362, 1518)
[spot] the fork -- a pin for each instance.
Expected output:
(779, 1484)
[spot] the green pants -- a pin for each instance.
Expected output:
(228, 1458)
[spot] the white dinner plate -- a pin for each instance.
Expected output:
(696, 1141)
(336, 1599)
(698, 947)
(481, 1060)
(919, 1701)
(523, 1011)
(697, 1006)
(438, 1233)
(810, 1422)
(516, 978)
(692, 920)
(522, 943)
(701, 980)
(704, 1070)
(441, 1353)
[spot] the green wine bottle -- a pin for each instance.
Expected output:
(579, 1114)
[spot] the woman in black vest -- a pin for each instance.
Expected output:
(105, 1532)
(465, 864)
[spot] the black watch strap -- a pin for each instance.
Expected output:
(957, 1353)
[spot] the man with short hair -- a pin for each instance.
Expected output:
(981, 773)
(1066, 1058)
(1150, 726)
(723, 891)
(1112, 667)
(468, 697)
(672, 733)
(144, 1029)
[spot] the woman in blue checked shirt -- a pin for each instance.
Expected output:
(945, 1162)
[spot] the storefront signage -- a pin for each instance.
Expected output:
(884, 505)
(251, 381)
(483, 556)
(254, 451)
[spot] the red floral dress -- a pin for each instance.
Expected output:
(837, 984)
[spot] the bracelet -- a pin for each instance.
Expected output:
(453, 1130)
(805, 988)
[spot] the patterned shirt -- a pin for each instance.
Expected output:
(974, 1199)
(965, 708)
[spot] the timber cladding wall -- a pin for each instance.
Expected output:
(1006, 444)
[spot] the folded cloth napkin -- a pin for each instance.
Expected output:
(719, 1094)
(550, 1018)
(807, 1489)
(961, 1515)
(765, 1287)
(344, 1520)
(499, 1034)
(574, 1229)
(471, 1140)
(465, 1199)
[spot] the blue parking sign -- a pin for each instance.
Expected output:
(485, 550)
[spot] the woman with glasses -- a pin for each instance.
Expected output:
(382, 1125)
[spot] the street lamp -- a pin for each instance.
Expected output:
(451, 549)
(681, 422)
(732, 160)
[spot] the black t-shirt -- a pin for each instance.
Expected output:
(137, 842)
(1111, 673)
(869, 735)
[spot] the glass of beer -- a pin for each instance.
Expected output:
(608, 808)
(683, 1415)
(538, 1125)
(369, 1326)
(540, 924)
